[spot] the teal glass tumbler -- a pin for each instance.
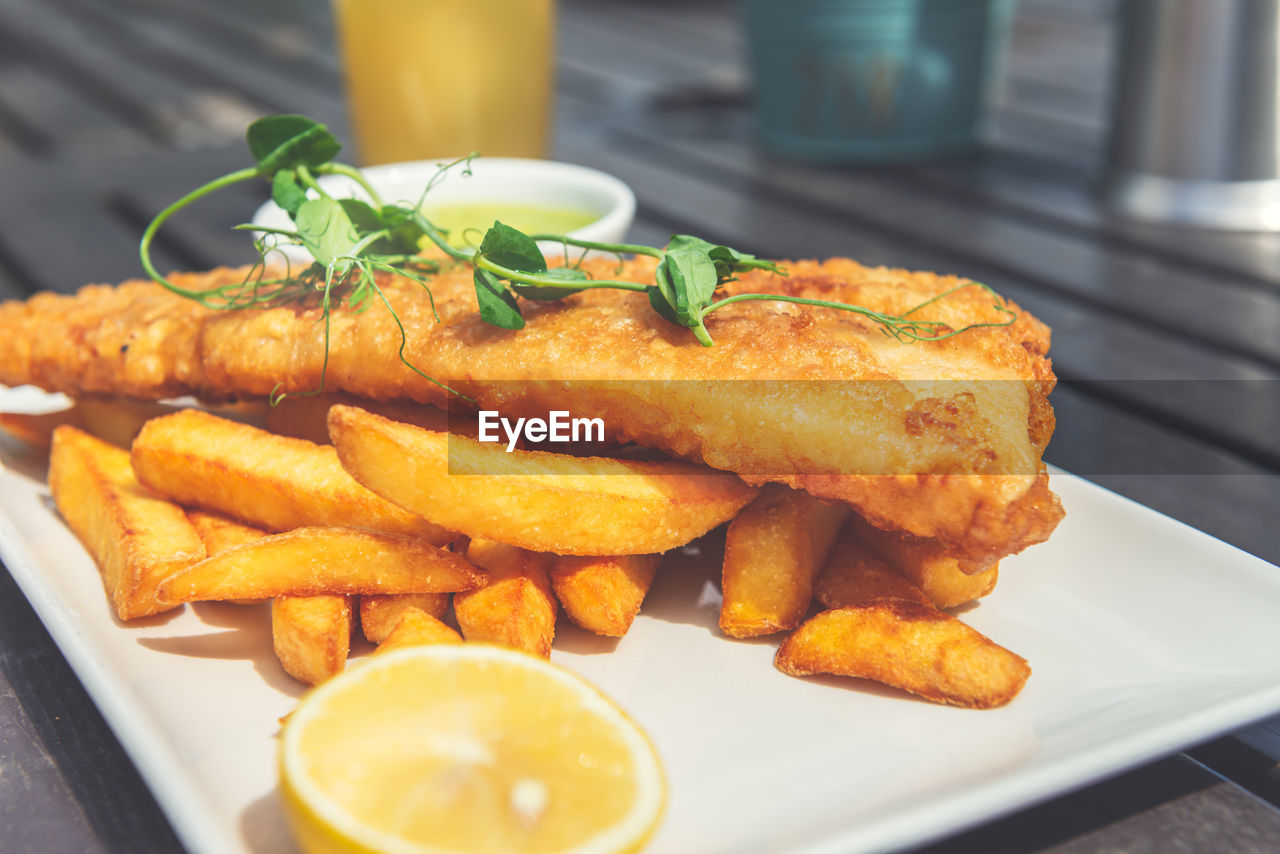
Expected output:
(873, 80)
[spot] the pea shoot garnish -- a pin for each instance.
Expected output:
(351, 240)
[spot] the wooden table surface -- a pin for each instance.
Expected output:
(1168, 340)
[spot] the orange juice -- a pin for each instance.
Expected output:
(443, 78)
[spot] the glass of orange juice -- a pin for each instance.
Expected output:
(443, 78)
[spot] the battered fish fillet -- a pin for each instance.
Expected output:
(941, 439)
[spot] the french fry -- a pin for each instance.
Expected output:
(117, 419)
(113, 419)
(603, 594)
(137, 539)
(314, 561)
(772, 552)
(307, 417)
(910, 646)
(852, 575)
(379, 614)
(415, 628)
(590, 506)
(36, 429)
(311, 635)
(220, 533)
(928, 565)
(276, 482)
(516, 608)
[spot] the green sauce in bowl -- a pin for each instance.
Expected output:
(466, 222)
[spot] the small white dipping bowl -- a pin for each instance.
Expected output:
(499, 180)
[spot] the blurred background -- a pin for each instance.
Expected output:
(108, 92)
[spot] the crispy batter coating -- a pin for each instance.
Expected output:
(945, 444)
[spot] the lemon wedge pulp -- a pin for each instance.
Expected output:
(469, 748)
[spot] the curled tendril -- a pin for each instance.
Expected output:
(293, 152)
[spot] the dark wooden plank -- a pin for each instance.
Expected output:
(1052, 99)
(175, 113)
(33, 794)
(1265, 738)
(34, 798)
(201, 236)
(1077, 11)
(1172, 805)
(17, 281)
(1064, 142)
(1060, 196)
(1248, 759)
(1066, 50)
(67, 118)
(304, 62)
(648, 230)
(66, 785)
(709, 21)
(101, 99)
(1186, 478)
(289, 20)
(187, 58)
(90, 232)
(65, 246)
(18, 136)
(646, 48)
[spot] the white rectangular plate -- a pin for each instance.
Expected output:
(1144, 636)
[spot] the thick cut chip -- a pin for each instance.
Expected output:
(311, 635)
(37, 428)
(116, 419)
(314, 561)
(772, 552)
(379, 614)
(276, 482)
(947, 581)
(603, 594)
(220, 533)
(308, 417)
(910, 646)
(852, 575)
(516, 608)
(533, 499)
(416, 628)
(113, 419)
(137, 539)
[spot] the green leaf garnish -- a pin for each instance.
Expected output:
(497, 305)
(353, 240)
(287, 192)
(327, 232)
(515, 250)
(289, 141)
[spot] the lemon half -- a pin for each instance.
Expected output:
(470, 748)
